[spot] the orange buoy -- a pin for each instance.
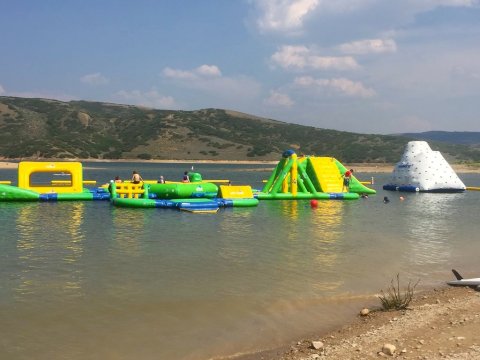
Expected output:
(313, 203)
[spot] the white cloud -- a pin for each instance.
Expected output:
(302, 58)
(338, 85)
(290, 16)
(2, 90)
(332, 62)
(283, 15)
(94, 79)
(367, 46)
(202, 71)
(291, 56)
(208, 70)
(279, 99)
(150, 98)
(178, 74)
(209, 80)
(412, 6)
(466, 3)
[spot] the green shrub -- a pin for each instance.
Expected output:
(394, 298)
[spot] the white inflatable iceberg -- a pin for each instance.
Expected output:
(422, 169)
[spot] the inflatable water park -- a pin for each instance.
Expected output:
(421, 169)
(293, 178)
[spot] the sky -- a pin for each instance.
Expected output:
(366, 66)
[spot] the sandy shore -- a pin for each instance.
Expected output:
(269, 164)
(439, 324)
(8, 165)
(388, 168)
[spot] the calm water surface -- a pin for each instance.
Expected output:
(84, 280)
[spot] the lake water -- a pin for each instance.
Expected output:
(85, 280)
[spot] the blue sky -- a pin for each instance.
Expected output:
(368, 66)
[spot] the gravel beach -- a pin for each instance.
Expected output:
(439, 324)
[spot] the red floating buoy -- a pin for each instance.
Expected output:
(313, 203)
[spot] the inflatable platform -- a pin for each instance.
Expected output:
(422, 169)
(193, 197)
(310, 177)
(33, 184)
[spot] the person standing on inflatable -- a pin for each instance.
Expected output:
(346, 180)
(186, 178)
(136, 178)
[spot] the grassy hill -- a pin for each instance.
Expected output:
(42, 128)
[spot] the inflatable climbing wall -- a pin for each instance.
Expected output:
(422, 169)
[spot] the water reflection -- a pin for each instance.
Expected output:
(426, 219)
(237, 226)
(127, 225)
(290, 212)
(75, 231)
(48, 262)
(308, 244)
(326, 226)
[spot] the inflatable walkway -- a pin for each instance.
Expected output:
(310, 177)
(201, 197)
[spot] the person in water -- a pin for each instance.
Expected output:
(386, 200)
(117, 179)
(161, 180)
(136, 178)
(186, 178)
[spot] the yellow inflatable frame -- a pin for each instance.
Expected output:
(27, 168)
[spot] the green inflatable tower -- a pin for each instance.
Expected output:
(311, 177)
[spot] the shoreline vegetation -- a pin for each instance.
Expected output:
(358, 167)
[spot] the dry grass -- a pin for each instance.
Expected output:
(396, 299)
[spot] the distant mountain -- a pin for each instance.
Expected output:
(42, 128)
(452, 137)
